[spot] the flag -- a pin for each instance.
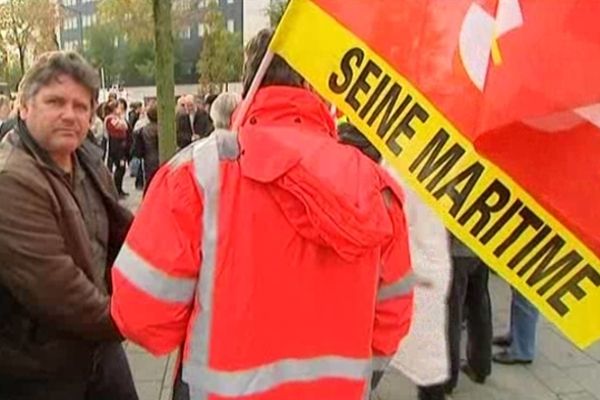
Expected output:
(490, 110)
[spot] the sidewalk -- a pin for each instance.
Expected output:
(560, 371)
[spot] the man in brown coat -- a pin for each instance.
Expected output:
(60, 229)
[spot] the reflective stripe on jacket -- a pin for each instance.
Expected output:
(283, 273)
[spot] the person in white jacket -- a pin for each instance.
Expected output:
(424, 355)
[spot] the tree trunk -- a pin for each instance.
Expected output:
(21, 59)
(165, 77)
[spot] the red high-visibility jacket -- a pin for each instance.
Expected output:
(278, 258)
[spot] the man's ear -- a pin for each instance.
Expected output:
(24, 109)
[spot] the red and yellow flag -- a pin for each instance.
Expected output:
(490, 109)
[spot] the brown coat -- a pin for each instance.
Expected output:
(54, 308)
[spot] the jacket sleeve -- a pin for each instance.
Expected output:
(137, 149)
(204, 126)
(37, 269)
(393, 310)
(156, 272)
(184, 135)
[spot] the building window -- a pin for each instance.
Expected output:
(88, 20)
(71, 23)
(201, 29)
(231, 25)
(202, 3)
(71, 45)
(186, 33)
(184, 5)
(69, 2)
(230, 1)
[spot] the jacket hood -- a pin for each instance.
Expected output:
(329, 192)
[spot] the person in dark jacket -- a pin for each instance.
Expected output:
(118, 149)
(135, 167)
(192, 124)
(61, 227)
(7, 126)
(469, 300)
(134, 114)
(146, 145)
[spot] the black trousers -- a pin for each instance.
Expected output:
(470, 299)
(117, 167)
(181, 390)
(110, 380)
(139, 177)
(436, 392)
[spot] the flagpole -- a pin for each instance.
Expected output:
(258, 78)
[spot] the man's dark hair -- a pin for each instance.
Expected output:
(279, 71)
(136, 105)
(110, 107)
(123, 102)
(210, 99)
(152, 112)
(350, 135)
(50, 66)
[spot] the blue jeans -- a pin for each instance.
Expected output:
(523, 322)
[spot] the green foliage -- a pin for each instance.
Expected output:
(129, 63)
(28, 28)
(222, 52)
(276, 10)
(135, 16)
(101, 52)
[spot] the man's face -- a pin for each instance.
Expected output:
(58, 116)
(120, 109)
(190, 106)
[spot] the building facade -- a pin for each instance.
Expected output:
(81, 15)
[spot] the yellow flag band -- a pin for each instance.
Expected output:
(478, 202)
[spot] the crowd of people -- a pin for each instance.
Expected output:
(283, 260)
(128, 134)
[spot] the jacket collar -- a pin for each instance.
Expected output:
(33, 148)
(286, 105)
(85, 153)
(282, 126)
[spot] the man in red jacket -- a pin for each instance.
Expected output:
(276, 257)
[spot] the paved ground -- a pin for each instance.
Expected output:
(560, 371)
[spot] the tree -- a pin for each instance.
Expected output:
(123, 62)
(276, 10)
(136, 16)
(222, 53)
(165, 76)
(29, 27)
(101, 51)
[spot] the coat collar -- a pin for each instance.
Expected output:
(286, 105)
(85, 154)
(283, 125)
